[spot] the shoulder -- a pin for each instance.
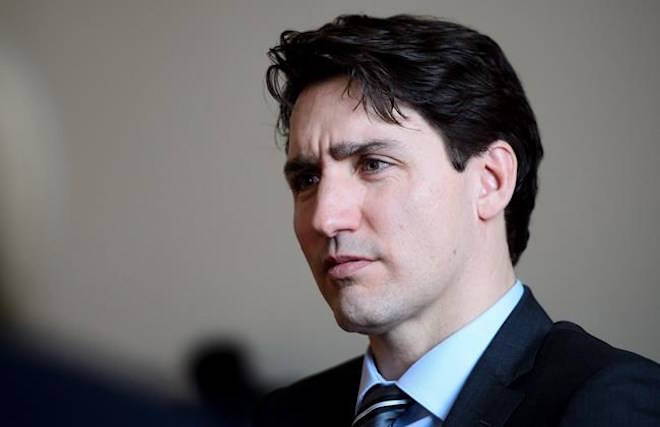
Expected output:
(332, 392)
(569, 348)
(619, 388)
(590, 382)
(338, 377)
(622, 393)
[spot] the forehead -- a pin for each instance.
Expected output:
(327, 114)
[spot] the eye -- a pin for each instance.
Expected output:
(302, 181)
(372, 165)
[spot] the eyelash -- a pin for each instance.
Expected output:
(367, 160)
(299, 185)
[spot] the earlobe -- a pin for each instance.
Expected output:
(497, 179)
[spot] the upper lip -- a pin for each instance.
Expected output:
(332, 260)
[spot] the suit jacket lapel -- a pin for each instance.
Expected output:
(486, 398)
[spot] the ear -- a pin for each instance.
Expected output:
(497, 181)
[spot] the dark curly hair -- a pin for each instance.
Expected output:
(458, 79)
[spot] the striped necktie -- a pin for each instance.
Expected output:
(381, 406)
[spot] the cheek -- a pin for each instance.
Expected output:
(308, 239)
(399, 220)
(429, 220)
(301, 228)
(298, 224)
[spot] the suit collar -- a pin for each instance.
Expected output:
(486, 398)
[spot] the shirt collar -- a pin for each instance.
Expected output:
(435, 380)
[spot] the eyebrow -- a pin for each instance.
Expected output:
(338, 152)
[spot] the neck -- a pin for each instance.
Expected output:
(398, 348)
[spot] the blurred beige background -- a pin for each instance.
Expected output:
(143, 209)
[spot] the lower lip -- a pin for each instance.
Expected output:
(347, 269)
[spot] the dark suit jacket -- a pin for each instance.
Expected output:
(533, 373)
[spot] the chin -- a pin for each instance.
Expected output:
(349, 325)
(357, 307)
(359, 319)
(369, 329)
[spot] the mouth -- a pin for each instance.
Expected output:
(344, 266)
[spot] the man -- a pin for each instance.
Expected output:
(412, 157)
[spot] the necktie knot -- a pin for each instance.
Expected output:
(381, 406)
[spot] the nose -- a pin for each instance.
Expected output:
(338, 206)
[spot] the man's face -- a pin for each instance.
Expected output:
(385, 222)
